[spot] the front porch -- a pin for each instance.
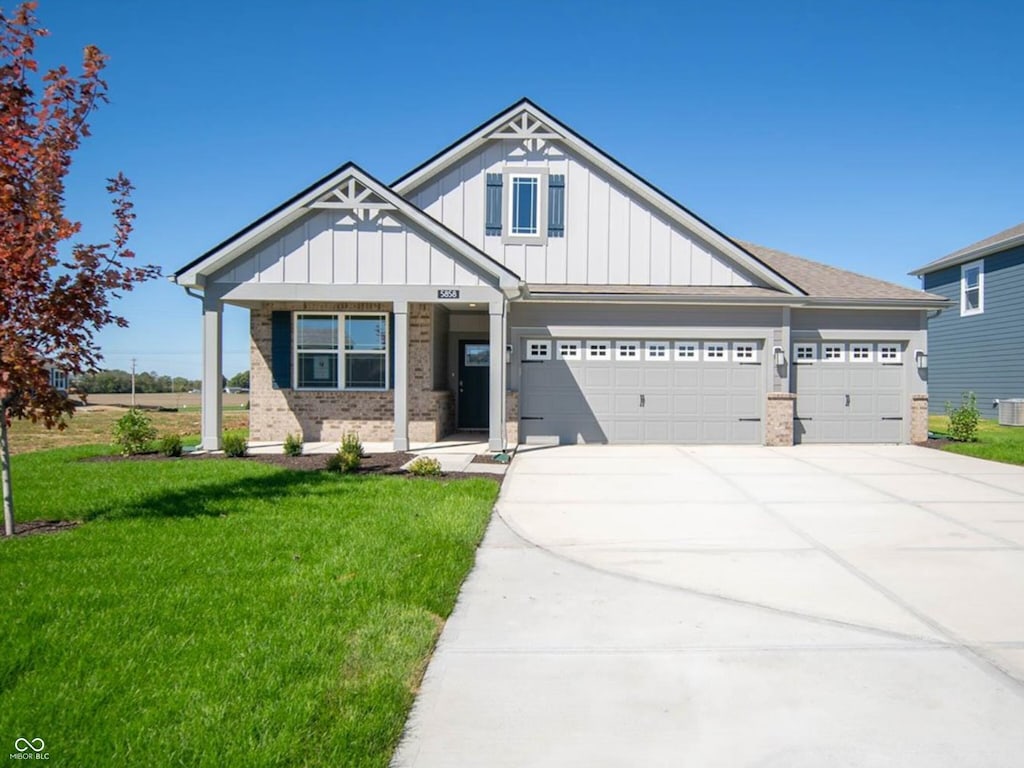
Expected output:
(427, 394)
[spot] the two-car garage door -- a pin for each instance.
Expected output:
(641, 391)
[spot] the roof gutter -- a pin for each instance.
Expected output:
(733, 301)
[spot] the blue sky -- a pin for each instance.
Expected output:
(874, 136)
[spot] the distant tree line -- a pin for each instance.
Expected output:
(116, 381)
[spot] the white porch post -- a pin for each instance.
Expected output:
(213, 394)
(496, 421)
(401, 346)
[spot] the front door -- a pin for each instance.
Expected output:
(474, 384)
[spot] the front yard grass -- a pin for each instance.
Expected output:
(225, 612)
(995, 442)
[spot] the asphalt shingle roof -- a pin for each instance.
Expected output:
(823, 281)
(965, 254)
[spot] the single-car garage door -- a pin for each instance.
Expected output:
(849, 392)
(641, 391)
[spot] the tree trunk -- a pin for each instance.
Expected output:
(5, 471)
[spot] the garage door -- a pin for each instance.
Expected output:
(849, 392)
(641, 391)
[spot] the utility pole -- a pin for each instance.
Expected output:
(133, 382)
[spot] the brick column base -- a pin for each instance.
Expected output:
(918, 418)
(779, 424)
(511, 419)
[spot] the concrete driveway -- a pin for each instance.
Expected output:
(741, 606)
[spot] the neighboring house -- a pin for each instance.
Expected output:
(58, 378)
(976, 346)
(524, 283)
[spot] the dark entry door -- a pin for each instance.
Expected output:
(474, 384)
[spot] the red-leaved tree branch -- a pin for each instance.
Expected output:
(50, 308)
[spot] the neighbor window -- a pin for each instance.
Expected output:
(524, 210)
(341, 351)
(58, 379)
(972, 288)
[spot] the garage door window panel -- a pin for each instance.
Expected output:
(538, 349)
(627, 350)
(744, 352)
(714, 352)
(656, 350)
(805, 353)
(890, 354)
(599, 350)
(861, 353)
(686, 351)
(833, 353)
(569, 350)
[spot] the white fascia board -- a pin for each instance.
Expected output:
(963, 258)
(625, 177)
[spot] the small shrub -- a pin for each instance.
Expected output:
(293, 445)
(425, 466)
(350, 443)
(170, 445)
(234, 445)
(349, 455)
(133, 432)
(963, 420)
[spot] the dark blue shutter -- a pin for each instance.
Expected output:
(391, 349)
(493, 225)
(556, 206)
(281, 349)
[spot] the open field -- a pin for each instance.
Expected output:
(221, 612)
(995, 442)
(165, 400)
(91, 426)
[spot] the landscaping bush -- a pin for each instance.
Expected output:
(425, 466)
(349, 455)
(234, 445)
(963, 420)
(293, 445)
(133, 432)
(170, 445)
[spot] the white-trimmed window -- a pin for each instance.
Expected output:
(627, 350)
(524, 211)
(744, 352)
(833, 353)
(58, 379)
(656, 350)
(599, 350)
(972, 288)
(805, 353)
(890, 353)
(714, 350)
(569, 350)
(341, 351)
(538, 349)
(686, 350)
(861, 353)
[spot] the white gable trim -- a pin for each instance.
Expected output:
(527, 121)
(342, 190)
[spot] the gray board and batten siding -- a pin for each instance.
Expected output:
(982, 353)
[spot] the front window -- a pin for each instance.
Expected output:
(525, 204)
(339, 351)
(972, 288)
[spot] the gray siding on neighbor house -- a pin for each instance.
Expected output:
(982, 353)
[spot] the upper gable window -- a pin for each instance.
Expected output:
(524, 213)
(972, 288)
(525, 205)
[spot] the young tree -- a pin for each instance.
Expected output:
(50, 305)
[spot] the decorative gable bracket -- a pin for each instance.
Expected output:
(355, 198)
(528, 129)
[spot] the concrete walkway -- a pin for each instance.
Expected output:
(669, 606)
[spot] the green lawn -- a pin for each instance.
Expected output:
(995, 442)
(225, 612)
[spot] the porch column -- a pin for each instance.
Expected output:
(496, 415)
(213, 381)
(401, 346)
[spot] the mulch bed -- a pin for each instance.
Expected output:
(34, 527)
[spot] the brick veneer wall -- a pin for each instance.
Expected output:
(511, 419)
(918, 418)
(328, 416)
(779, 423)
